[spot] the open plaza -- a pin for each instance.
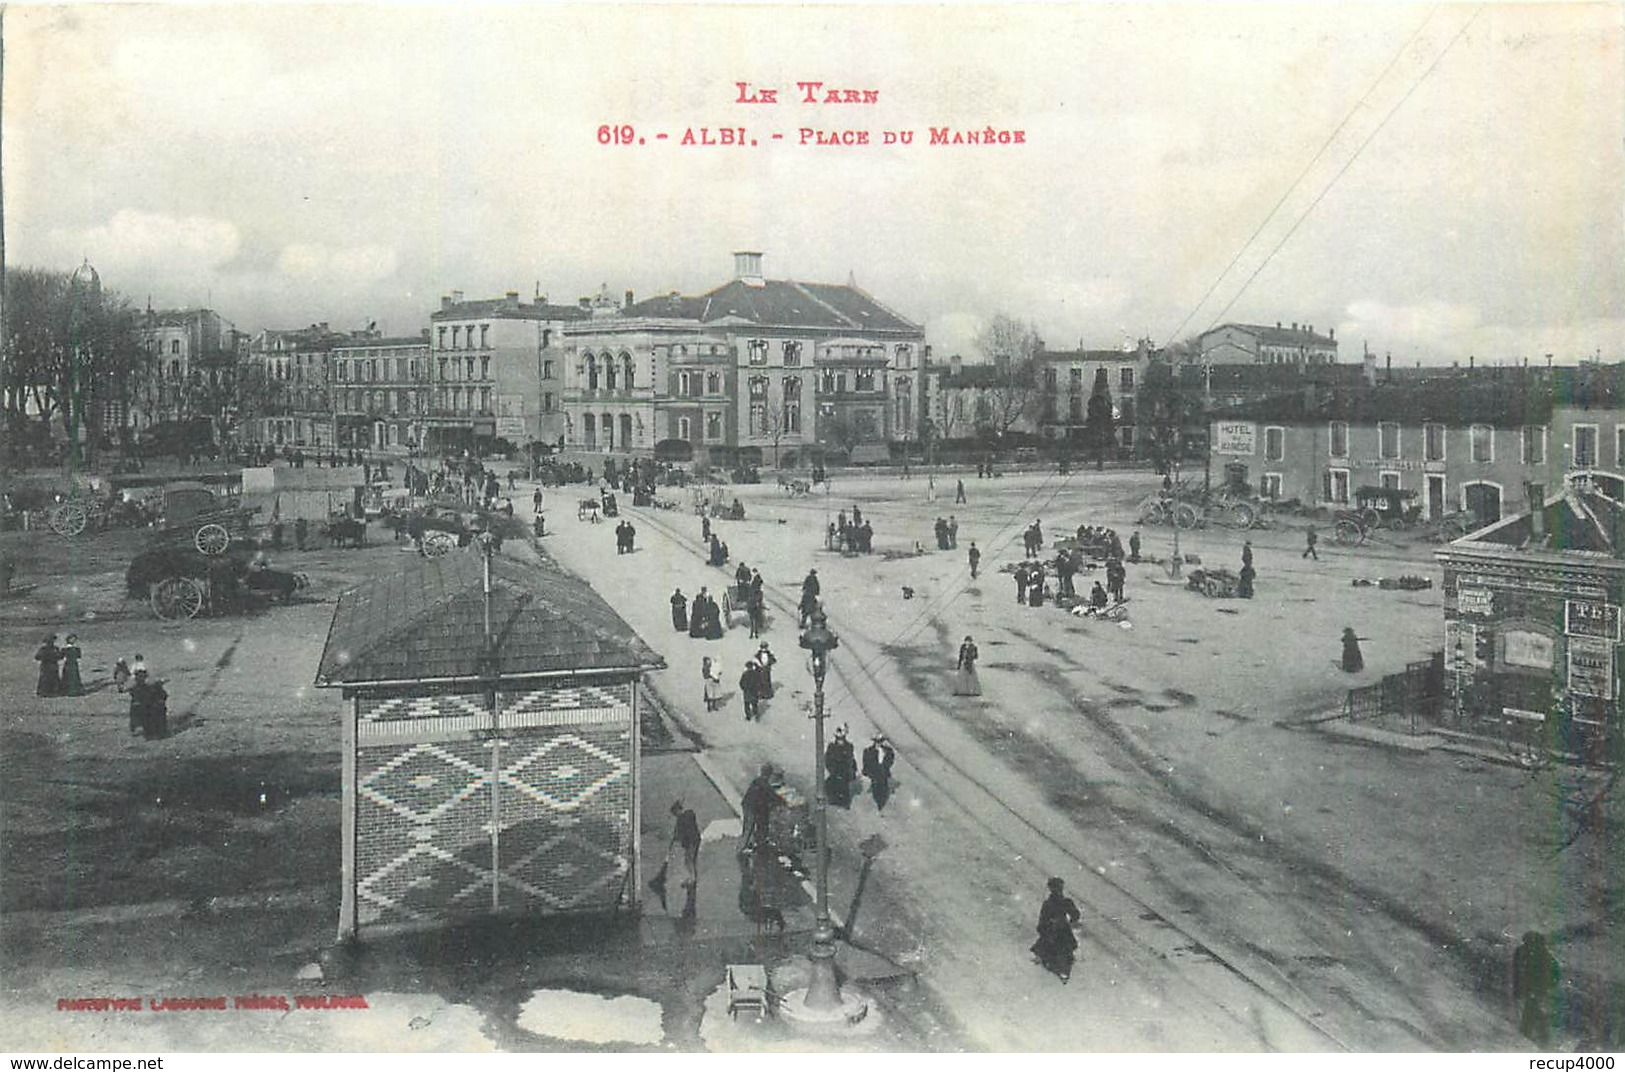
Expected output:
(1254, 869)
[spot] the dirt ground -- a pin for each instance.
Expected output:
(1318, 891)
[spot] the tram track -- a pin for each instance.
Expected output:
(984, 807)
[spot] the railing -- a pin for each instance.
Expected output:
(1415, 693)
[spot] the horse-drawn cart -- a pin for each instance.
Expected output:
(179, 583)
(192, 515)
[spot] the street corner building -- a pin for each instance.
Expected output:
(1532, 623)
(485, 776)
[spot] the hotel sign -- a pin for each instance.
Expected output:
(1235, 437)
(1475, 601)
(1590, 618)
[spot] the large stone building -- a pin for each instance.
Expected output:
(380, 392)
(1260, 344)
(755, 368)
(1066, 379)
(297, 409)
(192, 361)
(496, 372)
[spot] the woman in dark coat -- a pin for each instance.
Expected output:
(679, 611)
(713, 620)
(72, 684)
(48, 655)
(1353, 661)
(877, 763)
(1057, 945)
(696, 616)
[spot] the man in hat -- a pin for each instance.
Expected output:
(756, 808)
(877, 763)
(975, 557)
(809, 596)
(686, 833)
(750, 689)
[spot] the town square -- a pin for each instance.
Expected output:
(755, 655)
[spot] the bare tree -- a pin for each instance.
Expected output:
(1008, 343)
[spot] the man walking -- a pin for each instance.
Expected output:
(959, 493)
(750, 683)
(686, 834)
(1311, 538)
(975, 557)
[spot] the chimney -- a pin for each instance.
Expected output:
(1310, 328)
(1331, 333)
(1370, 367)
(1388, 368)
(628, 300)
(456, 297)
(955, 364)
(585, 303)
(445, 302)
(511, 299)
(424, 334)
(1471, 360)
(1294, 325)
(748, 268)
(1277, 325)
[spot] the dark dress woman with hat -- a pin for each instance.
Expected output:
(1057, 946)
(48, 655)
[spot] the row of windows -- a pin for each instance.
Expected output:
(1075, 381)
(1481, 439)
(758, 351)
(376, 369)
(462, 338)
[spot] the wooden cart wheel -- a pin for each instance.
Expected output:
(175, 599)
(1348, 532)
(1241, 515)
(1185, 516)
(68, 519)
(212, 539)
(437, 543)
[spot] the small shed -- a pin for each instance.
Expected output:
(491, 761)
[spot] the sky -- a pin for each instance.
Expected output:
(1432, 181)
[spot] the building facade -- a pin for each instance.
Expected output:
(496, 372)
(296, 366)
(192, 362)
(1260, 344)
(755, 369)
(380, 392)
(1066, 380)
(1460, 444)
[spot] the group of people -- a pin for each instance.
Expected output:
(947, 532)
(149, 701)
(756, 683)
(850, 535)
(701, 619)
(66, 680)
(841, 769)
(625, 537)
(1032, 539)
(717, 553)
(748, 587)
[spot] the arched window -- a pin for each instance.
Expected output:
(608, 425)
(682, 386)
(589, 433)
(609, 373)
(626, 364)
(592, 373)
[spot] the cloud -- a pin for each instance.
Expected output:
(308, 262)
(1431, 322)
(134, 239)
(954, 333)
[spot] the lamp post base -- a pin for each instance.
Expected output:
(853, 1017)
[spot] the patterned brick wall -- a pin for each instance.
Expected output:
(556, 763)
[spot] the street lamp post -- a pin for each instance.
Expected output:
(823, 989)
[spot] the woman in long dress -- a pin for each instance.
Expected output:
(1353, 661)
(72, 684)
(48, 655)
(966, 683)
(679, 611)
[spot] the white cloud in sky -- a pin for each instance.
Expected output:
(133, 240)
(309, 262)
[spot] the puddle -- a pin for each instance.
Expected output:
(577, 1017)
